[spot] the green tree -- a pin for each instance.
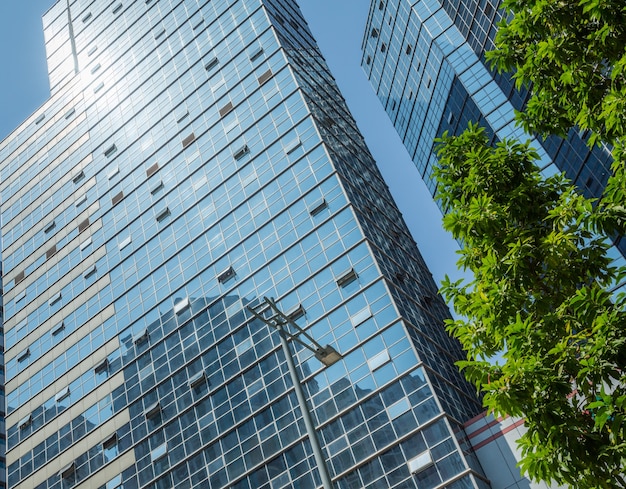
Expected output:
(541, 295)
(572, 53)
(541, 299)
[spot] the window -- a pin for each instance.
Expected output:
(231, 126)
(49, 227)
(117, 198)
(83, 225)
(92, 50)
(226, 109)
(381, 5)
(81, 200)
(398, 409)
(21, 326)
(161, 216)
(54, 299)
(51, 252)
(20, 296)
(85, 244)
(62, 395)
(361, 316)
(378, 360)
(421, 462)
(89, 272)
(158, 452)
(226, 275)
(198, 23)
(181, 114)
(110, 151)
(368, 60)
(347, 278)
(103, 366)
(19, 277)
(244, 346)
(241, 152)
(159, 33)
(152, 410)
(383, 47)
(67, 471)
(99, 87)
(78, 177)
(318, 207)
(110, 442)
(265, 77)
(58, 329)
(125, 242)
(117, 8)
(113, 171)
(256, 53)
(292, 146)
(374, 32)
(409, 49)
(296, 313)
(86, 17)
(23, 356)
(40, 119)
(25, 421)
(181, 305)
(145, 372)
(156, 187)
(328, 122)
(196, 379)
(188, 140)
(212, 63)
(152, 169)
(142, 337)
(70, 113)
(95, 68)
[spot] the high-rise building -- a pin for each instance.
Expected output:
(426, 62)
(195, 157)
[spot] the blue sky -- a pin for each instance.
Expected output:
(337, 26)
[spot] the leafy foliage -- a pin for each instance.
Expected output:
(573, 54)
(541, 299)
(542, 296)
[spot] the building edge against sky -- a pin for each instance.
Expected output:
(194, 157)
(425, 61)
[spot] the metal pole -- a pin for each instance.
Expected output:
(308, 421)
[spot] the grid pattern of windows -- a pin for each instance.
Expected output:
(432, 77)
(199, 157)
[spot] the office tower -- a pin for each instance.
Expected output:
(3, 479)
(194, 158)
(425, 60)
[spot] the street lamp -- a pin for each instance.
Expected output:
(325, 354)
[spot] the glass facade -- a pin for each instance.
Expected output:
(196, 156)
(425, 60)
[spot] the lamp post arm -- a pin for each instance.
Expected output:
(288, 320)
